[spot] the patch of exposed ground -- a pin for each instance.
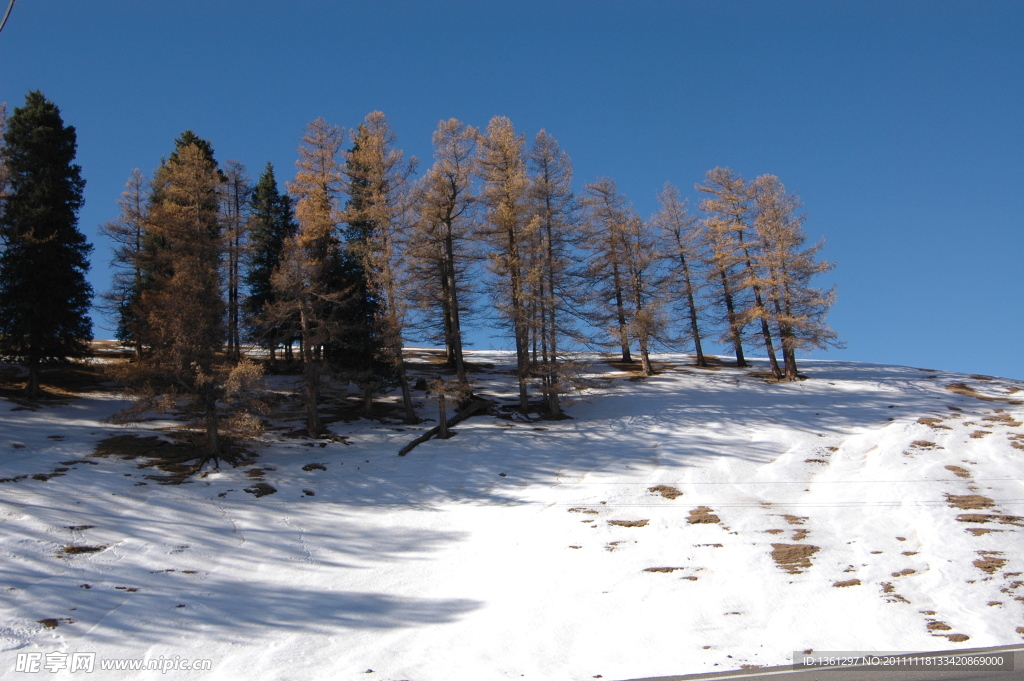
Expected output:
(923, 445)
(848, 582)
(969, 502)
(78, 549)
(702, 515)
(261, 489)
(629, 523)
(1001, 418)
(54, 622)
(988, 562)
(959, 471)
(933, 423)
(800, 535)
(982, 518)
(793, 558)
(179, 459)
(314, 467)
(666, 491)
(968, 391)
(904, 572)
(978, 434)
(795, 519)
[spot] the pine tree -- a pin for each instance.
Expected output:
(502, 170)
(379, 178)
(438, 247)
(44, 297)
(680, 243)
(128, 232)
(271, 223)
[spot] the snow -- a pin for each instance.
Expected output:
(435, 566)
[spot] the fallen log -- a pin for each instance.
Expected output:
(474, 408)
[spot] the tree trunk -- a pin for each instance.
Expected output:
(701, 362)
(737, 341)
(621, 312)
(32, 387)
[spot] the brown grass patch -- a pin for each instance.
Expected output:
(982, 518)
(702, 515)
(588, 511)
(959, 471)
(54, 622)
(926, 445)
(774, 531)
(935, 625)
(666, 491)
(969, 502)
(978, 434)
(848, 582)
(611, 546)
(261, 489)
(800, 535)
(933, 423)
(80, 528)
(958, 638)
(663, 569)
(967, 391)
(78, 549)
(904, 572)
(314, 467)
(628, 523)
(815, 461)
(793, 558)
(1001, 418)
(988, 562)
(795, 519)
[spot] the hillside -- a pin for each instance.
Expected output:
(698, 520)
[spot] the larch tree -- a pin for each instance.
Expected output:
(797, 308)
(44, 297)
(439, 240)
(127, 233)
(235, 193)
(271, 224)
(606, 221)
(184, 307)
(379, 175)
(502, 171)
(304, 288)
(681, 237)
(554, 208)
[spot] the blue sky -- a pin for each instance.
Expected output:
(900, 124)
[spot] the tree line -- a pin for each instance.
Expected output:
(358, 255)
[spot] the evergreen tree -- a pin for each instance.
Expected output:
(234, 217)
(271, 223)
(44, 297)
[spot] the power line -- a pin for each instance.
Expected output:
(3, 22)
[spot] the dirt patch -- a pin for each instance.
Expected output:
(666, 491)
(969, 502)
(978, 434)
(611, 546)
(959, 471)
(968, 391)
(588, 511)
(935, 625)
(78, 549)
(848, 582)
(793, 558)
(75, 462)
(179, 459)
(958, 638)
(1001, 418)
(795, 519)
(54, 622)
(800, 535)
(933, 423)
(982, 518)
(314, 467)
(663, 569)
(261, 489)
(629, 523)
(702, 515)
(80, 528)
(988, 562)
(904, 572)
(774, 531)
(926, 445)
(815, 461)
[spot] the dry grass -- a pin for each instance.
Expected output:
(848, 582)
(988, 562)
(959, 471)
(933, 423)
(79, 549)
(968, 391)
(969, 502)
(793, 558)
(666, 491)
(702, 515)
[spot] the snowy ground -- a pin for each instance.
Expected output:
(868, 508)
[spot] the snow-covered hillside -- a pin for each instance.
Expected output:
(698, 520)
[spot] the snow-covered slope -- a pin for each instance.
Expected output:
(699, 520)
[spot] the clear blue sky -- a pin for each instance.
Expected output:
(900, 124)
